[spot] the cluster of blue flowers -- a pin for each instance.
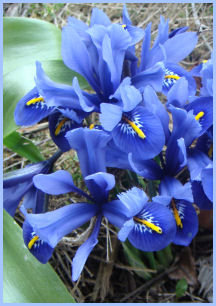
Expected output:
(133, 128)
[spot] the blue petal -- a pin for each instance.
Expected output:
(152, 102)
(128, 140)
(197, 161)
(178, 31)
(125, 16)
(200, 198)
(115, 211)
(99, 17)
(110, 115)
(12, 196)
(126, 229)
(77, 59)
(54, 121)
(144, 238)
(34, 199)
(91, 149)
(207, 182)
(205, 105)
(182, 153)
(26, 115)
(174, 69)
(152, 76)
(163, 29)
(148, 169)
(84, 251)
(101, 183)
(178, 94)
(133, 200)
(40, 249)
(52, 226)
(145, 52)
(170, 186)
(189, 220)
(61, 179)
(173, 46)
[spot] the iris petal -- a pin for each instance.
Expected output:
(84, 251)
(127, 139)
(148, 240)
(40, 249)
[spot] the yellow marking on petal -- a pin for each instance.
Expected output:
(204, 61)
(135, 128)
(176, 215)
(35, 100)
(124, 26)
(58, 129)
(172, 76)
(199, 115)
(210, 151)
(149, 224)
(91, 126)
(32, 242)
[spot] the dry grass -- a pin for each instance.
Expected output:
(107, 276)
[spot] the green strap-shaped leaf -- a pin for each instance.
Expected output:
(23, 147)
(25, 280)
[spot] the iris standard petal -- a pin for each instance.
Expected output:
(40, 249)
(173, 46)
(139, 132)
(31, 109)
(56, 183)
(84, 251)
(99, 17)
(36, 200)
(152, 102)
(101, 183)
(52, 226)
(77, 59)
(115, 211)
(178, 31)
(153, 76)
(148, 238)
(178, 94)
(170, 186)
(91, 149)
(110, 115)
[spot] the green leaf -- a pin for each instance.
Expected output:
(23, 147)
(181, 287)
(134, 258)
(25, 41)
(25, 280)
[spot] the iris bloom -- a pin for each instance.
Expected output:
(66, 105)
(19, 183)
(178, 198)
(149, 226)
(168, 49)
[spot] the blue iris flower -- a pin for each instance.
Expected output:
(168, 49)
(134, 127)
(149, 226)
(42, 232)
(178, 198)
(48, 97)
(18, 184)
(99, 54)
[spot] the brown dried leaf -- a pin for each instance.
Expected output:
(185, 268)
